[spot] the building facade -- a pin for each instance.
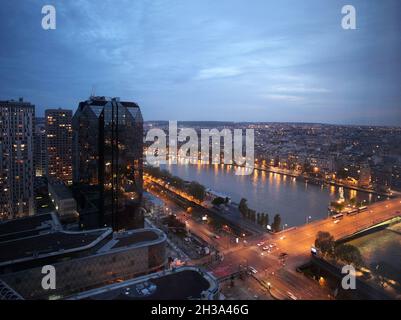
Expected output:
(40, 150)
(59, 145)
(107, 160)
(16, 159)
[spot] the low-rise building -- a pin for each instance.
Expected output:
(62, 199)
(82, 260)
(179, 284)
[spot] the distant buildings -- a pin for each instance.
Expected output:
(59, 144)
(107, 161)
(16, 159)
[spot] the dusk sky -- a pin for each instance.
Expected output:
(229, 60)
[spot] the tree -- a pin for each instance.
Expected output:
(196, 190)
(174, 224)
(339, 206)
(252, 215)
(243, 207)
(276, 226)
(352, 201)
(349, 254)
(342, 174)
(218, 201)
(325, 242)
(265, 219)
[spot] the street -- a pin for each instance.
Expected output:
(281, 275)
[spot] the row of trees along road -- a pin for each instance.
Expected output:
(260, 218)
(192, 188)
(339, 251)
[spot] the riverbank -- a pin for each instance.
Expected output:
(306, 178)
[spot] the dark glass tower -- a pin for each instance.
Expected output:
(107, 163)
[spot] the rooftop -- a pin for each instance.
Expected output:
(181, 284)
(130, 238)
(42, 236)
(60, 190)
(32, 225)
(48, 244)
(133, 238)
(19, 103)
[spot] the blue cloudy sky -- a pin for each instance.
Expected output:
(240, 60)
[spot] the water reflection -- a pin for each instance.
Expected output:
(269, 192)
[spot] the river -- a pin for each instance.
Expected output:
(268, 192)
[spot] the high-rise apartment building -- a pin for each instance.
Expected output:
(59, 144)
(107, 161)
(40, 150)
(16, 159)
(364, 176)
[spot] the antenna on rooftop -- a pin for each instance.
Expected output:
(93, 91)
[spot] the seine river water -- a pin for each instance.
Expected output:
(269, 192)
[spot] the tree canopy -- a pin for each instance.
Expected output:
(325, 242)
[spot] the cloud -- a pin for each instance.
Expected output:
(299, 88)
(222, 72)
(285, 98)
(191, 57)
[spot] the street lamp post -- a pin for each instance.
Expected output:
(284, 226)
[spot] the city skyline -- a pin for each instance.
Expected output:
(161, 151)
(286, 62)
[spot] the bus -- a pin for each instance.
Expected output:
(361, 209)
(337, 216)
(352, 212)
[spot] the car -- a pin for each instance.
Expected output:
(336, 221)
(282, 237)
(283, 254)
(260, 244)
(291, 296)
(253, 270)
(266, 248)
(216, 237)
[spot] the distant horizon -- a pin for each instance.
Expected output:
(257, 122)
